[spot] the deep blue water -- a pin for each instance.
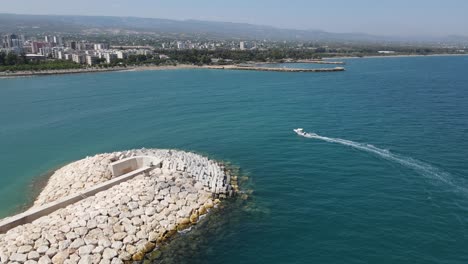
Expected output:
(314, 201)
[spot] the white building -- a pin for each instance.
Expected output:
(180, 45)
(57, 40)
(110, 57)
(242, 45)
(101, 46)
(91, 60)
(386, 52)
(79, 58)
(45, 51)
(144, 52)
(60, 55)
(121, 55)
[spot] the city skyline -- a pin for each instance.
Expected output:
(398, 18)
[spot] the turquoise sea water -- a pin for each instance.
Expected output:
(386, 183)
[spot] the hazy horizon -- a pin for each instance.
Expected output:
(399, 18)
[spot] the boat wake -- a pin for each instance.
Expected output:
(420, 167)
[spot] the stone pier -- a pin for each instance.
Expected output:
(143, 197)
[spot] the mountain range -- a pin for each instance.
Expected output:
(76, 24)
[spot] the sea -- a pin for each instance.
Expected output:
(381, 178)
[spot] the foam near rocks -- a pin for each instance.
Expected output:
(124, 222)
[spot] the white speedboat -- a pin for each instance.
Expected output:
(300, 131)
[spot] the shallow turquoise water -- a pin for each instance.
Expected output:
(316, 201)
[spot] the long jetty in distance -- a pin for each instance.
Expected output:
(256, 68)
(314, 61)
(320, 62)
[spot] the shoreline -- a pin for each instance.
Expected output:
(326, 60)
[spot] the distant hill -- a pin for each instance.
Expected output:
(75, 24)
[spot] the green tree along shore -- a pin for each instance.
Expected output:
(13, 62)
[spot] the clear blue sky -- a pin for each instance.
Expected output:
(384, 17)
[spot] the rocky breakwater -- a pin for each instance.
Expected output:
(271, 69)
(124, 222)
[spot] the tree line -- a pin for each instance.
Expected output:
(14, 62)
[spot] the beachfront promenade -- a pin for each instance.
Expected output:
(115, 207)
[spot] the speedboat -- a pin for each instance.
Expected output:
(300, 131)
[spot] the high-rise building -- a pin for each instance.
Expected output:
(9, 41)
(91, 60)
(101, 46)
(57, 40)
(12, 43)
(242, 45)
(180, 45)
(46, 51)
(60, 55)
(73, 45)
(121, 55)
(79, 58)
(110, 57)
(84, 46)
(37, 46)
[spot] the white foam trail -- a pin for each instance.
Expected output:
(420, 167)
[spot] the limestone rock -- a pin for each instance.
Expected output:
(85, 250)
(33, 255)
(119, 236)
(60, 257)
(86, 259)
(77, 243)
(42, 249)
(18, 257)
(44, 260)
(109, 253)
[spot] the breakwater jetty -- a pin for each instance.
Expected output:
(255, 68)
(59, 72)
(115, 207)
(320, 62)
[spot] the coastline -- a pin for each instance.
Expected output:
(326, 60)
